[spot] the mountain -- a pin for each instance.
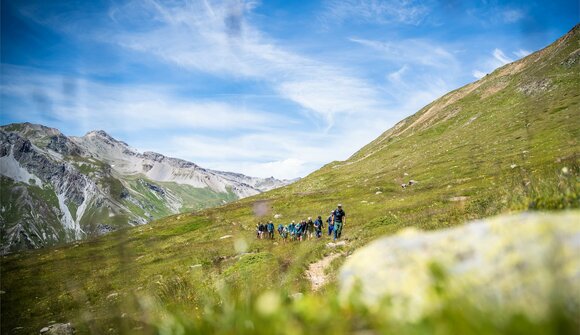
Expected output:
(57, 188)
(505, 143)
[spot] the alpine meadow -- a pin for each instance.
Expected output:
(462, 218)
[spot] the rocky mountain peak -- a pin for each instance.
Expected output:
(31, 130)
(102, 139)
(103, 136)
(154, 156)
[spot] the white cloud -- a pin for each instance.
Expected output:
(285, 169)
(501, 57)
(342, 95)
(494, 14)
(497, 59)
(376, 11)
(113, 106)
(478, 74)
(218, 39)
(395, 77)
(512, 15)
(281, 153)
(522, 53)
(415, 51)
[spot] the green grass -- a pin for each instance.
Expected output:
(199, 198)
(191, 198)
(23, 204)
(177, 276)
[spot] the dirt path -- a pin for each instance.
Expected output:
(315, 272)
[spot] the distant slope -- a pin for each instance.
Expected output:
(508, 142)
(56, 188)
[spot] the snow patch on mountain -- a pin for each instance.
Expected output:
(67, 219)
(10, 168)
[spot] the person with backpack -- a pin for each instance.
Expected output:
(318, 226)
(300, 230)
(330, 223)
(292, 230)
(339, 219)
(309, 228)
(270, 229)
(260, 230)
(280, 229)
(284, 233)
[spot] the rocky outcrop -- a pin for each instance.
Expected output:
(58, 329)
(513, 263)
(62, 145)
(65, 178)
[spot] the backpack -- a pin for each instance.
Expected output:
(340, 213)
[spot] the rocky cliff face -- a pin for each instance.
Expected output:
(56, 188)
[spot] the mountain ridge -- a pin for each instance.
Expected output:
(98, 171)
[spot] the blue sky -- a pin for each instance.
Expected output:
(266, 88)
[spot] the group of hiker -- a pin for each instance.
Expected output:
(305, 229)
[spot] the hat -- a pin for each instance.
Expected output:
(310, 218)
(339, 205)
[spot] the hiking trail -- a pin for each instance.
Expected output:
(315, 272)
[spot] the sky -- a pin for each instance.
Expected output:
(265, 88)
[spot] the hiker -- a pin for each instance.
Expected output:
(280, 229)
(262, 230)
(310, 228)
(292, 230)
(270, 228)
(330, 223)
(318, 226)
(284, 233)
(257, 230)
(300, 230)
(339, 219)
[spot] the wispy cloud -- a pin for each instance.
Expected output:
(217, 39)
(424, 70)
(492, 14)
(496, 59)
(417, 51)
(375, 11)
(478, 74)
(284, 154)
(522, 53)
(501, 57)
(396, 76)
(510, 15)
(91, 104)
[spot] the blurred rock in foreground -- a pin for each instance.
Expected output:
(509, 264)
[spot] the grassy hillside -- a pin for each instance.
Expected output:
(508, 142)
